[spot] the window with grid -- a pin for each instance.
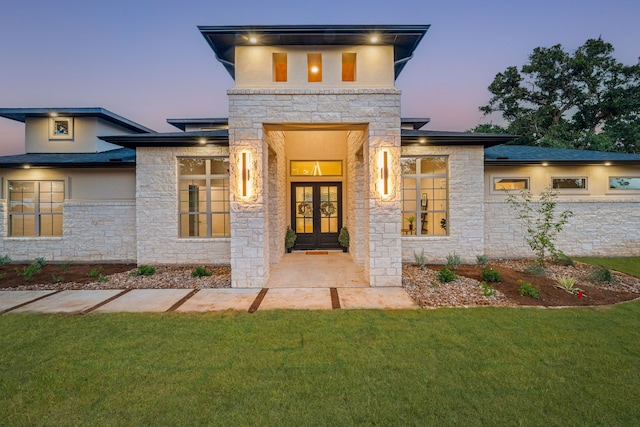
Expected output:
(35, 208)
(204, 197)
(425, 196)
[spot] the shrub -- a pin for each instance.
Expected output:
(453, 261)
(39, 263)
(567, 283)
(143, 270)
(535, 270)
(3, 275)
(200, 272)
(540, 221)
(487, 290)
(5, 259)
(482, 260)
(29, 271)
(528, 290)
(102, 279)
(420, 259)
(561, 259)
(65, 267)
(445, 275)
(343, 237)
(290, 238)
(95, 272)
(57, 278)
(490, 275)
(600, 273)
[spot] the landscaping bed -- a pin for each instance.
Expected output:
(428, 291)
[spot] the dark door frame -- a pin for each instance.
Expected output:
(317, 239)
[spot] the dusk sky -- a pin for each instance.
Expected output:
(146, 60)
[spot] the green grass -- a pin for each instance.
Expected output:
(482, 366)
(629, 265)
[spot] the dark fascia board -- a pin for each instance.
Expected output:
(530, 162)
(224, 39)
(516, 155)
(171, 139)
(119, 158)
(434, 137)
(213, 122)
(415, 123)
(21, 114)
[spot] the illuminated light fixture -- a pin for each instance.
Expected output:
(374, 39)
(53, 114)
(202, 141)
(383, 162)
(422, 140)
(253, 39)
(607, 163)
(26, 166)
(245, 162)
(315, 69)
(545, 164)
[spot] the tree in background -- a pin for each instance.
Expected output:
(587, 100)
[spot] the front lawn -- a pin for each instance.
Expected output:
(630, 265)
(482, 366)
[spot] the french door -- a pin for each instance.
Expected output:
(316, 214)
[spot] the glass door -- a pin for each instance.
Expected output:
(316, 214)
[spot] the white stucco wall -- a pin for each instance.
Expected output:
(157, 211)
(254, 67)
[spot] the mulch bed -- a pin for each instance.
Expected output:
(52, 274)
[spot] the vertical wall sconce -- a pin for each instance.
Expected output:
(383, 162)
(245, 168)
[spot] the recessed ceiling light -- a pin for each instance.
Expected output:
(422, 140)
(545, 164)
(202, 141)
(607, 163)
(53, 114)
(374, 39)
(26, 166)
(253, 39)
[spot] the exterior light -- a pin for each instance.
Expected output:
(607, 163)
(245, 173)
(545, 164)
(422, 140)
(26, 166)
(383, 163)
(314, 69)
(374, 39)
(53, 114)
(253, 39)
(202, 141)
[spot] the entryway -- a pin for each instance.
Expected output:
(316, 269)
(316, 214)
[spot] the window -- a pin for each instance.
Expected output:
(61, 128)
(624, 183)
(348, 67)
(316, 167)
(204, 197)
(280, 67)
(314, 65)
(35, 208)
(569, 183)
(425, 196)
(500, 184)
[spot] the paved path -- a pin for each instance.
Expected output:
(189, 300)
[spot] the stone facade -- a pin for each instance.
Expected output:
(250, 109)
(158, 240)
(466, 207)
(598, 228)
(94, 231)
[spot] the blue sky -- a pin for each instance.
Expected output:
(146, 60)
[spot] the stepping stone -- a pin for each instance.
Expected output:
(70, 301)
(220, 299)
(379, 298)
(9, 299)
(144, 300)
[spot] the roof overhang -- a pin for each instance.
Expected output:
(224, 39)
(172, 139)
(434, 137)
(21, 114)
(119, 158)
(526, 155)
(215, 123)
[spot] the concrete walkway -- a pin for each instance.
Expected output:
(189, 300)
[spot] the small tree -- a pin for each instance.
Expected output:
(540, 220)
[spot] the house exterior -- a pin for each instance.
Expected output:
(314, 140)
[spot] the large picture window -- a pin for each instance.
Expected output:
(35, 208)
(204, 197)
(425, 196)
